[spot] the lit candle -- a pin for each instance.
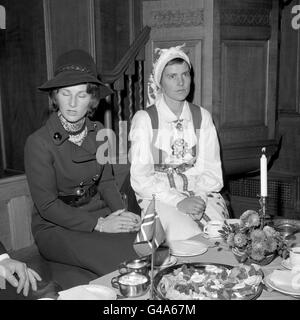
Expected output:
(263, 174)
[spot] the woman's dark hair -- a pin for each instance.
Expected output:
(91, 88)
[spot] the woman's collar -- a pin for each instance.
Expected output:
(168, 115)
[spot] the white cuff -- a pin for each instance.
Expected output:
(4, 256)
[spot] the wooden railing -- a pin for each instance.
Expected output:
(126, 72)
(127, 81)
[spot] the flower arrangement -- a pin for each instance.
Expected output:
(252, 241)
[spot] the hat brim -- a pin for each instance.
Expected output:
(69, 78)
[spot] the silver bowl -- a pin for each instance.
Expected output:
(131, 284)
(140, 265)
(286, 229)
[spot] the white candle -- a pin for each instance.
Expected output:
(263, 174)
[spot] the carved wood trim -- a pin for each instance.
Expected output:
(245, 17)
(176, 18)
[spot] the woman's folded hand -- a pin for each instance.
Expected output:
(193, 205)
(119, 221)
(135, 218)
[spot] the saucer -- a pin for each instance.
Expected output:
(187, 248)
(207, 236)
(168, 263)
(286, 264)
(284, 288)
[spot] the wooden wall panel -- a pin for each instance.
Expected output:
(288, 160)
(249, 38)
(112, 45)
(22, 69)
(69, 25)
(244, 95)
(11, 212)
(246, 43)
(289, 80)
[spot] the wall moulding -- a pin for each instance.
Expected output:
(245, 17)
(176, 18)
(174, 14)
(246, 4)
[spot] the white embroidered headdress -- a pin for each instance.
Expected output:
(164, 56)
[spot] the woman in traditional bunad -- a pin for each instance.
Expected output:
(175, 152)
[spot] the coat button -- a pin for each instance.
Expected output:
(96, 177)
(57, 136)
(79, 191)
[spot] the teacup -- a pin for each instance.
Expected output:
(295, 256)
(212, 228)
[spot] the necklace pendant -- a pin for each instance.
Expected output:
(179, 126)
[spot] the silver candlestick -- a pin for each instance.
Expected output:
(262, 210)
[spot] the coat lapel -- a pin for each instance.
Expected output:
(85, 152)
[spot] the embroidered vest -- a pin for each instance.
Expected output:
(158, 154)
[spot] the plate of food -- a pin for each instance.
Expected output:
(208, 281)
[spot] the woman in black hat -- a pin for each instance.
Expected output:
(79, 217)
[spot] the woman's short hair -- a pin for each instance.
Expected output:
(175, 61)
(91, 88)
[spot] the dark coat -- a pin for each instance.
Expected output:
(55, 166)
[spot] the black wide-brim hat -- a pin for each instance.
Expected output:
(72, 68)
